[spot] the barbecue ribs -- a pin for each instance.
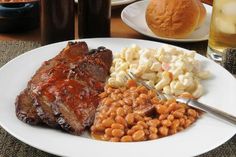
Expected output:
(64, 90)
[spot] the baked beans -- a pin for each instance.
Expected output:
(134, 113)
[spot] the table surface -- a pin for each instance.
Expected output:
(118, 29)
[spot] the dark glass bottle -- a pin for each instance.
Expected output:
(57, 20)
(94, 18)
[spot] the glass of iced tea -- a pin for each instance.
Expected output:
(223, 29)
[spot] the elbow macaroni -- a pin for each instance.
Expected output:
(168, 69)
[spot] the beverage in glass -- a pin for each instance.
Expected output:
(94, 18)
(223, 29)
(57, 21)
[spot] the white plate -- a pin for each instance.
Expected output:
(206, 134)
(120, 2)
(134, 16)
(117, 2)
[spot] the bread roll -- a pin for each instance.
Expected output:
(173, 18)
(202, 17)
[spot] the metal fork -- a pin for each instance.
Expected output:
(190, 102)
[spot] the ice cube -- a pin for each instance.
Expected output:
(229, 9)
(225, 26)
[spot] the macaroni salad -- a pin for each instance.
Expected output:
(168, 69)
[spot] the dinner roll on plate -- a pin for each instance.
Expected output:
(174, 18)
(203, 13)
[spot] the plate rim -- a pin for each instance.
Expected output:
(64, 42)
(114, 4)
(118, 3)
(155, 37)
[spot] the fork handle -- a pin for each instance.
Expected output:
(212, 110)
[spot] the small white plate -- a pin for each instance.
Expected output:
(134, 16)
(120, 2)
(204, 135)
(117, 2)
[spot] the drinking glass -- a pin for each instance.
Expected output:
(57, 21)
(222, 38)
(94, 18)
